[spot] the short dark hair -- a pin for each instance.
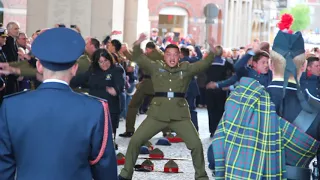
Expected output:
(185, 51)
(311, 60)
(100, 52)
(106, 40)
(95, 42)
(242, 48)
(219, 50)
(117, 44)
(259, 55)
(172, 46)
(265, 46)
(150, 45)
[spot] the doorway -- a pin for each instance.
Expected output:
(173, 19)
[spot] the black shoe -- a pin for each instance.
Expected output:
(164, 135)
(121, 178)
(211, 135)
(115, 146)
(126, 134)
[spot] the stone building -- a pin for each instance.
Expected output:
(238, 22)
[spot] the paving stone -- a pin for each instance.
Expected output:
(176, 150)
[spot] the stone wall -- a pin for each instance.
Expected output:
(196, 19)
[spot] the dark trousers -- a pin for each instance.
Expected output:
(201, 99)
(115, 121)
(192, 108)
(215, 106)
(146, 102)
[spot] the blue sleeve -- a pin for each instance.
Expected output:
(241, 66)
(7, 161)
(106, 168)
(210, 157)
(198, 51)
(226, 83)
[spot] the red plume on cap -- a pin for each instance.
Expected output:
(285, 23)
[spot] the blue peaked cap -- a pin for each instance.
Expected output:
(163, 142)
(144, 150)
(58, 49)
(290, 46)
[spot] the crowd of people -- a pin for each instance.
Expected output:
(259, 91)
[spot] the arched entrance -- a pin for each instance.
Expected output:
(173, 19)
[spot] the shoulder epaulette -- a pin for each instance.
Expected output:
(17, 93)
(94, 97)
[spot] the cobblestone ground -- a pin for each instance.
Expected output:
(178, 150)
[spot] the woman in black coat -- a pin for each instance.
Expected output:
(104, 80)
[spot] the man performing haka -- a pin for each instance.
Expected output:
(168, 108)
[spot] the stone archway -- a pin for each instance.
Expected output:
(173, 19)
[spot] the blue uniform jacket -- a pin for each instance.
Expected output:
(53, 136)
(193, 89)
(234, 78)
(311, 83)
(242, 70)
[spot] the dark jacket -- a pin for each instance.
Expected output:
(10, 49)
(57, 140)
(311, 83)
(97, 81)
(193, 89)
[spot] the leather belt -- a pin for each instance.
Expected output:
(146, 77)
(298, 173)
(169, 94)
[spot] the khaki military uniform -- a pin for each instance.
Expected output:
(27, 70)
(170, 111)
(144, 88)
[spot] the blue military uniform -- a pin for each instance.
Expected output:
(242, 70)
(193, 89)
(311, 83)
(56, 133)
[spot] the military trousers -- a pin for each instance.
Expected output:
(144, 88)
(151, 127)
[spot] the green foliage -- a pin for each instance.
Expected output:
(301, 16)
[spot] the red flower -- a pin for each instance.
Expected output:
(286, 22)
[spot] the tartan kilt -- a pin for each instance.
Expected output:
(253, 142)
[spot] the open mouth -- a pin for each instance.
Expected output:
(172, 62)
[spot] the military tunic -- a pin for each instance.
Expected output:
(169, 111)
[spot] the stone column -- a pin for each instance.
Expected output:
(95, 18)
(136, 20)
